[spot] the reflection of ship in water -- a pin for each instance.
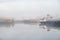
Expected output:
(50, 23)
(6, 22)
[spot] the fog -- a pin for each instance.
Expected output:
(29, 8)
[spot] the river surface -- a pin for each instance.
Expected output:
(27, 32)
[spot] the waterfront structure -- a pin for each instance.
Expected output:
(51, 24)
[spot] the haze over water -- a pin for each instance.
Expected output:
(31, 9)
(27, 32)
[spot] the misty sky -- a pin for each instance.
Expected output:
(29, 8)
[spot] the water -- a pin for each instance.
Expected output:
(27, 32)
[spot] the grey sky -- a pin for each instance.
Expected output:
(29, 8)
